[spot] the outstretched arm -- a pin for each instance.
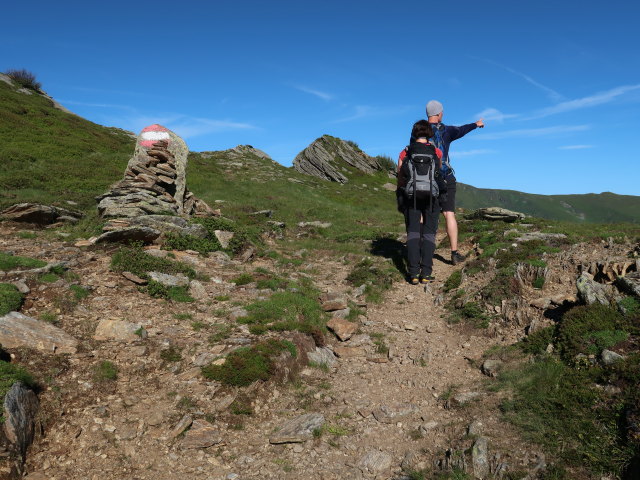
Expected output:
(459, 132)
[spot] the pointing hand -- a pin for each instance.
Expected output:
(480, 123)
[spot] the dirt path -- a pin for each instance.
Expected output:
(381, 411)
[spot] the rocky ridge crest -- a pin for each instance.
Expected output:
(326, 158)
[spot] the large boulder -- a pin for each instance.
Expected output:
(329, 158)
(18, 427)
(18, 330)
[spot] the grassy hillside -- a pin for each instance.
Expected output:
(50, 156)
(591, 208)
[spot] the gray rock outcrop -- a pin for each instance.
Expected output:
(39, 214)
(496, 213)
(329, 157)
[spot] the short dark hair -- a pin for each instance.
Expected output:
(420, 129)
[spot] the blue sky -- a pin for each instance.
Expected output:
(558, 83)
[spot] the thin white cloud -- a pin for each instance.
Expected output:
(586, 102)
(368, 111)
(495, 115)
(312, 91)
(551, 93)
(473, 153)
(96, 105)
(534, 132)
(185, 126)
(575, 147)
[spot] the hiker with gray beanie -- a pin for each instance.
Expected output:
(443, 135)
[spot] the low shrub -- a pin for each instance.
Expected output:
(376, 279)
(588, 329)
(10, 298)
(135, 260)
(24, 78)
(470, 312)
(248, 364)
(175, 241)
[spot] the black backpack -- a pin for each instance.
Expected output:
(420, 168)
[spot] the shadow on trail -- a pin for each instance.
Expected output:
(437, 256)
(393, 249)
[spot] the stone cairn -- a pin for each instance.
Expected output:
(153, 197)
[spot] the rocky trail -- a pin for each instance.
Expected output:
(401, 393)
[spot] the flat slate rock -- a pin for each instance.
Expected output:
(202, 434)
(322, 356)
(344, 329)
(387, 414)
(18, 330)
(298, 429)
(38, 214)
(375, 461)
(118, 330)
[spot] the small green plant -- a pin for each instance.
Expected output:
(79, 293)
(379, 341)
(220, 331)
(198, 325)
(222, 298)
(376, 279)
(183, 316)
(472, 313)
(241, 406)
(171, 354)
(454, 281)
(49, 317)
(538, 283)
(139, 332)
(48, 277)
(243, 279)
(177, 294)
(185, 404)
(10, 298)
(175, 241)
(105, 371)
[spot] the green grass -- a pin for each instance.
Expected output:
(558, 407)
(171, 354)
(49, 317)
(220, 331)
(243, 279)
(15, 262)
(376, 277)
(472, 313)
(135, 260)
(285, 311)
(248, 364)
(10, 298)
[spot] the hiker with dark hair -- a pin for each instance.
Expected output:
(418, 191)
(442, 137)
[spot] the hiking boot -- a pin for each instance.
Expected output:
(414, 281)
(427, 279)
(457, 258)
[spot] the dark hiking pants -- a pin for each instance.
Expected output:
(421, 236)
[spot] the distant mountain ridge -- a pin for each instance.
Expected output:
(604, 207)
